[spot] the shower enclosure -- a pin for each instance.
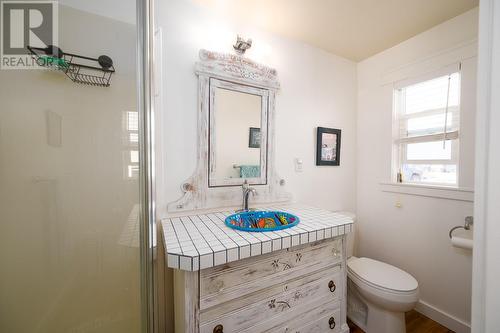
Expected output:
(76, 226)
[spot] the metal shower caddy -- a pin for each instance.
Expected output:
(80, 69)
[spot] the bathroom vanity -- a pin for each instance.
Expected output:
(228, 280)
(291, 280)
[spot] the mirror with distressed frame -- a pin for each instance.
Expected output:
(236, 113)
(237, 134)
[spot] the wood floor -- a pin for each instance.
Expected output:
(415, 323)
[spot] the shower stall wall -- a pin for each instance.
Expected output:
(75, 229)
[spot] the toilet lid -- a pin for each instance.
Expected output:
(382, 274)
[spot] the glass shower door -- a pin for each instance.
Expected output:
(69, 185)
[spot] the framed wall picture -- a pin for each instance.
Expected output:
(328, 146)
(254, 138)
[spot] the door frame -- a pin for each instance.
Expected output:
(486, 256)
(147, 232)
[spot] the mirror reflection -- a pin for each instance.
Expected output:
(237, 135)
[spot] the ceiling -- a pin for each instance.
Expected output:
(354, 29)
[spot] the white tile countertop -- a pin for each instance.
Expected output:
(195, 242)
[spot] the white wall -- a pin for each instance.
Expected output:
(415, 236)
(317, 89)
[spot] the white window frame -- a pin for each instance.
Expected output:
(130, 146)
(400, 143)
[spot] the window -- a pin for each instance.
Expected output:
(132, 142)
(427, 130)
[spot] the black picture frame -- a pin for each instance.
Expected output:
(328, 153)
(254, 137)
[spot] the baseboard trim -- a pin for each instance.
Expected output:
(445, 319)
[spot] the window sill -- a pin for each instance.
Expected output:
(432, 191)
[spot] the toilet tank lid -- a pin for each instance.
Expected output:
(382, 274)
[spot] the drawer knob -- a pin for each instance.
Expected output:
(331, 322)
(332, 286)
(219, 329)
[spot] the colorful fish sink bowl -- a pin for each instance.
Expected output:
(259, 221)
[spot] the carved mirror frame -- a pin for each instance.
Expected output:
(243, 72)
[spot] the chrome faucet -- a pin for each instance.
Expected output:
(246, 194)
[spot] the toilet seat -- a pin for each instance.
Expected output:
(382, 276)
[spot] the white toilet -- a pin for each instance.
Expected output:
(378, 295)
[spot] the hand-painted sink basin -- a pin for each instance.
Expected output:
(261, 221)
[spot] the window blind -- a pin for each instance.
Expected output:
(426, 128)
(430, 110)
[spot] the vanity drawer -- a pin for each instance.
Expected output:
(330, 280)
(330, 323)
(301, 319)
(237, 279)
(267, 307)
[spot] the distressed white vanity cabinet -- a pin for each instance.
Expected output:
(292, 280)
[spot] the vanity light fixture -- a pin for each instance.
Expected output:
(242, 45)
